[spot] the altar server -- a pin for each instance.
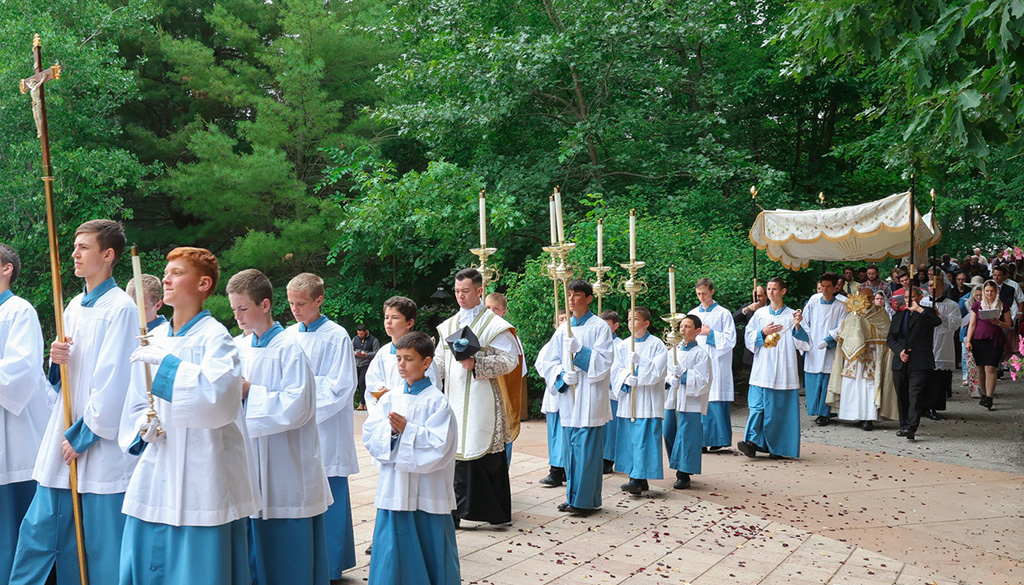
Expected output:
(288, 536)
(584, 361)
(940, 383)
(774, 335)
(412, 434)
(549, 407)
(332, 359)
(153, 292)
(690, 381)
(101, 326)
(477, 388)
(191, 493)
(382, 374)
(638, 382)
(823, 317)
(611, 428)
(24, 405)
(717, 337)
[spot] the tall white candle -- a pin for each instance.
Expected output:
(632, 236)
(554, 227)
(600, 242)
(140, 292)
(672, 289)
(483, 220)
(558, 216)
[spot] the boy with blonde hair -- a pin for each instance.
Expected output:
(328, 347)
(288, 536)
(153, 292)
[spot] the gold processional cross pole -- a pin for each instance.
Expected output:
(34, 86)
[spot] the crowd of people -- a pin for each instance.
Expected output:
(198, 457)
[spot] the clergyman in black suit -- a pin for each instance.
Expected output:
(910, 339)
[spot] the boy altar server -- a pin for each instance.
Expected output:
(24, 406)
(717, 337)
(329, 349)
(288, 537)
(382, 374)
(412, 434)
(638, 384)
(583, 362)
(823, 318)
(549, 408)
(774, 335)
(690, 382)
(191, 494)
(101, 326)
(153, 293)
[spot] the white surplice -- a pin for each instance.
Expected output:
(693, 394)
(822, 320)
(775, 367)
(417, 468)
(280, 413)
(331, 357)
(25, 398)
(723, 334)
(588, 405)
(647, 399)
(200, 474)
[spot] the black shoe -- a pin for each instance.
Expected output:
(747, 448)
(609, 467)
(988, 402)
(833, 415)
(822, 421)
(368, 549)
(644, 485)
(703, 449)
(565, 507)
(555, 477)
(682, 481)
(901, 433)
(632, 486)
(867, 425)
(717, 448)
(932, 414)
(774, 456)
(458, 521)
(909, 434)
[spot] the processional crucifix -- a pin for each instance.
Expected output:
(34, 86)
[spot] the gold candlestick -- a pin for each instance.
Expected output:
(601, 288)
(632, 286)
(563, 272)
(673, 337)
(151, 415)
(488, 273)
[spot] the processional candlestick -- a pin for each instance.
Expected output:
(144, 337)
(632, 286)
(488, 273)
(601, 288)
(560, 270)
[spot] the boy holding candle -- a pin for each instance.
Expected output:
(582, 355)
(689, 381)
(412, 435)
(200, 515)
(101, 326)
(328, 347)
(24, 405)
(717, 337)
(288, 535)
(638, 383)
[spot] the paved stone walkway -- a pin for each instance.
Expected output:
(837, 516)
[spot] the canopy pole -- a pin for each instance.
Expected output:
(821, 205)
(913, 242)
(753, 220)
